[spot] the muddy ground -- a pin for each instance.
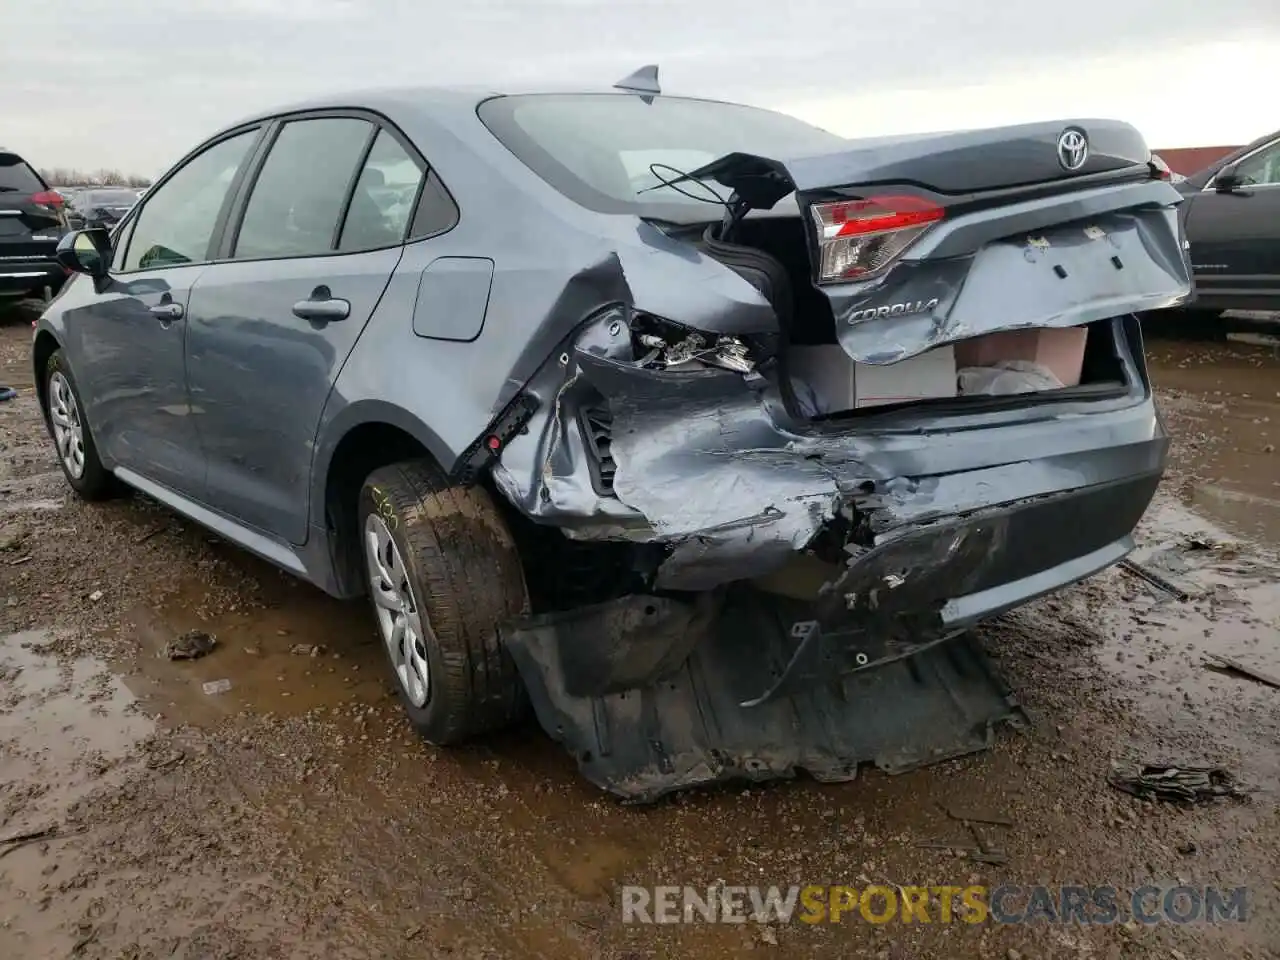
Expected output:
(296, 815)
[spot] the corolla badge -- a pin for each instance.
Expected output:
(893, 310)
(1073, 149)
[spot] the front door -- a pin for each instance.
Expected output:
(1235, 237)
(271, 327)
(126, 335)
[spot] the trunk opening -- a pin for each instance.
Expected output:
(772, 254)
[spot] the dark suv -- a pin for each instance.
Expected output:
(32, 221)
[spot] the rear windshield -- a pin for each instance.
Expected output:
(605, 151)
(16, 176)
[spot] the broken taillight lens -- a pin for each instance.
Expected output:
(859, 238)
(1159, 169)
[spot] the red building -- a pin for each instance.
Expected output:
(1191, 160)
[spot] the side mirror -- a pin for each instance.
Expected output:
(1227, 179)
(86, 251)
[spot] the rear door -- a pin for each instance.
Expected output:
(125, 335)
(308, 257)
(1235, 237)
(31, 223)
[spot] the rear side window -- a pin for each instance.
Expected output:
(16, 176)
(299, 195)
(382, 203)
(178, 219)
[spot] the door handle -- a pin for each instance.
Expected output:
(167, 311)
(322, 307)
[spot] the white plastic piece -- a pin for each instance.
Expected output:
(1005, 378)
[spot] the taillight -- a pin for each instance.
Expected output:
(1159, 169)
(859, 238)
(48, 199)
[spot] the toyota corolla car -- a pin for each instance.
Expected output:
(667, 413)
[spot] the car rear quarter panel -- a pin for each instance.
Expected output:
(555, 265)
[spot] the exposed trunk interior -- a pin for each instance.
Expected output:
(771, 254)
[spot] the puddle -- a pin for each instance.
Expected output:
(63, 726)
(67, 731)
(305, 651)
(1225, 406)
(1248, 513)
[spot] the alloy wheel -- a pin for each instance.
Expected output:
(404, 628)
(68, 431)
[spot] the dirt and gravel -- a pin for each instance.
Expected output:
(296, 815)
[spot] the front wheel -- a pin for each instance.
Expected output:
(443, 573)
(77, 452)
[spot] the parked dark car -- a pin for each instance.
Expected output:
(546, 416)
(100, 207)
(1232, 222)
(32, 221)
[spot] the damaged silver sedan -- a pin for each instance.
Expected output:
(708, 432)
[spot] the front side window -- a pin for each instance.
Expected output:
(298, 198)
(177, 222)
(1262, 168)
(382, 203)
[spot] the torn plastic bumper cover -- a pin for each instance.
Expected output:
(958, 523)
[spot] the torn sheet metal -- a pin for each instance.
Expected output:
(707, 463)
(691, 730)
(1065, 275)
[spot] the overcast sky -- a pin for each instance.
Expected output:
(132, 84)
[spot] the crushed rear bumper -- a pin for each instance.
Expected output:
(958, 518)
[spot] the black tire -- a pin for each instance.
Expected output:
(465, 578)
(95, 481)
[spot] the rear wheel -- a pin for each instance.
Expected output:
(443, 573)
(77, 452)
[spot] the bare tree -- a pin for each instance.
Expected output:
(72, 176)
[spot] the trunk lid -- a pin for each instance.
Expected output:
(920, 241)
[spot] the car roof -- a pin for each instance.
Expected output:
(435, 101)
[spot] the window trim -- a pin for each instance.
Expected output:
(351, 189)
(1270, 144)
(131, 218)
(379, 122)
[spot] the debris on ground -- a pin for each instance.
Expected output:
(215, 687)
(14, 841)
(191, 645)
(1215, 661)
(967, 816)
(307, 649)
(1153, 578)
(7, 393)
(152, 533)
(1177, 784)
(173, 758)
(96, 596)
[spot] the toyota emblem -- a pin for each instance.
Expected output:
(1073, 149)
